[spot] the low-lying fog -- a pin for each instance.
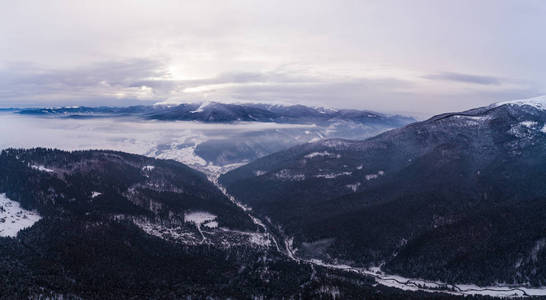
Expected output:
(210, 147)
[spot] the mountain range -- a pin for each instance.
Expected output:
(450, 206)
(216, 112)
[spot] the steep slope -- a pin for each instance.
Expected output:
(459, 197)
(98, 183)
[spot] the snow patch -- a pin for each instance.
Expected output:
(211, 224)
(528, 124)
(259, 239)
(198, 218)
(333, 175)
(260, 172)
(201, 107)
(353, 187)
(148, 168)
(375, 176)
(338, 144)
(41, 168)
(185, 155)
(411, 284)
(318, 154)
(95, 194)
(170, 233)
(13, 218)
(287, 175)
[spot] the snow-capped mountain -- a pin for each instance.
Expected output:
(459, 197)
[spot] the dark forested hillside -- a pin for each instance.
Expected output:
(459, 197)
(115, 225)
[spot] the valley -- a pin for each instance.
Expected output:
(302, 208)
(390, 280)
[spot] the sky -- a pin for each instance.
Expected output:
(416, 57)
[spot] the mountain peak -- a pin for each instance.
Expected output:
(537, 102)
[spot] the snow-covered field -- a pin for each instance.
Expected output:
(13, 217)
(199, 218)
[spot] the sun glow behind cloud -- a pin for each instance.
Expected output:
(424, 56)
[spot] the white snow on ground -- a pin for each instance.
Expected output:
(473, 118)
(287, 175)
(13, 218)
(410, 284)
(259, 239)
(519, 131)
(338, 144)
(318, 154)
(198, 218)
(201, 107)
(260, 173)
(528, 124)
(41, 168)
(185, 155)
(176, 233)
(375, 176)
(353, 186)
(333, 175)
(537, 102)
(148, 168)
(95, 194)
(543, 129)
(371, 176)
(211, 224)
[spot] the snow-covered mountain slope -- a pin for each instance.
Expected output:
(536, 102)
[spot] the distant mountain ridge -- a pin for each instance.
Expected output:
(216, 112)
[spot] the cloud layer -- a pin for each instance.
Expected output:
(420, 57)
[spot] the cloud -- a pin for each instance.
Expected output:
(149, 81)
(30, 83)
(465, 78)
(358, 54)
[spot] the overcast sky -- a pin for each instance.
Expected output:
(419, 57)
